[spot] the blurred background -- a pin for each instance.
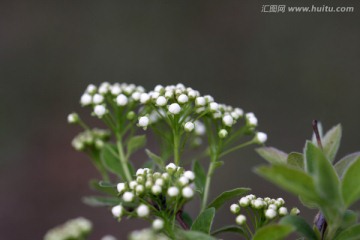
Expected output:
(288, 68)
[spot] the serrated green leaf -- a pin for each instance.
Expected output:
(331, 142)
(227, 195)
(200, 178)
(272, 155)
(105, 188)
(111, 161)
(342, 165)
(350, 183)
(300, 225)
(135, 143)
(351, 233)
(157, 159)
(233, 228)
(296, 160)
(204, 221)
(192, 235)
(292, 180)
(273, 232)
(100, 201)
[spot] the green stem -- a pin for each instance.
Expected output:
(207, 185)
(176, 148)
(236, 148)
(123, 160)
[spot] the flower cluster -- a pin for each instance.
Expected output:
(90, 139)
(268, 208)
(77, 228)
(147, 234)
(152, 192)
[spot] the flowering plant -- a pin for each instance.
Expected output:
(183, 121)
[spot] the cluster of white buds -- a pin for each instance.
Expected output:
(90, 139)
(270, 208)
(147, 234)
(151, 187)
(77, 228)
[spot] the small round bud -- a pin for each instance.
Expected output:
(199, 128)
(128, 197)
(251, 119)
(165, 176)
(156, 189)
(244, 202)
(139, 189)
(120, 187)
(85, 99)
(158, 88)
(270, 213)
(200, 101)
(121, 100)
(272, 206)
(73, 118)
(91, 88)
(183, 180)
(117, 211)
(115, 89)
(133, 184)
(159, 182)
(283, 211)
(130, 115)
(228, 120)
(261, 137)
(251, 197)
(144, 98)
(173, 191)
(258, 204)
(187, 192)
(100, 110)
(183, 99)
(190, 175)
(158, 224)
(143, 122)
(97, 98)
(234, 208)
(223, 133)
(241, 219)
(294, 211)
(161, 101)
(171, 168)
(148, 184)
(214, 106)
(174, 108)
(189, 126)
(143, 210)
(281, 201)
(139, 172)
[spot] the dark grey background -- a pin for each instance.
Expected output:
(288, 68)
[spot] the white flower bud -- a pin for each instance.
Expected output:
(209, 98)
(169, 94)
(85, 99)
(183, 99)
(241, 219)
(199, 128)
(283, 211)
(171, 167)
(165, 176)
(132, 184)
(139, 189)
(174, 108)
(115, 89)
(281, 201)
(97, 98)
(187, 192)
(189, 126)
(144, 98)
(143, 210)
(136, 96)
(190, 175)
(244, 202)
(158, 224)
(139, 172)
(143, 122)
(214, 106)
(120, 187)
(261, 137)
(100, 110)
(200, 101)
(183, 180)
(156, 189)
(73, 118)
(257, 204)
(121, 100)
(228, 120)
(108, 237)
(104, 88)
(148, 184)
(272, 206)
(117, 211)
(294, 211)
(158, 88)
(161, 101)
(223, 133)
(251, 119)
(173, 191)
(270, 213)
(128, 197)
(91, 88)
(193, 94)
(234, 208)
(239, 111)
(159, 182)
(251, 196)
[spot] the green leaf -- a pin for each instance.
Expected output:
(292, 180)
(135, 143)
(300, 225)
(227, 195)
(273, 232)
(100, 201)
(272, 155)
(232, 228)
(351, 233)
(342, 165)
(200, 178)
(99, 186)
(351, 183)
(157, 159)
(296, 160)
(204, 221)
(331, 142)
(187, 218)
(350, 218)
(110, 159)
(192, 235)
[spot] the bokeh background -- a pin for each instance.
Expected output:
(288, 68)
